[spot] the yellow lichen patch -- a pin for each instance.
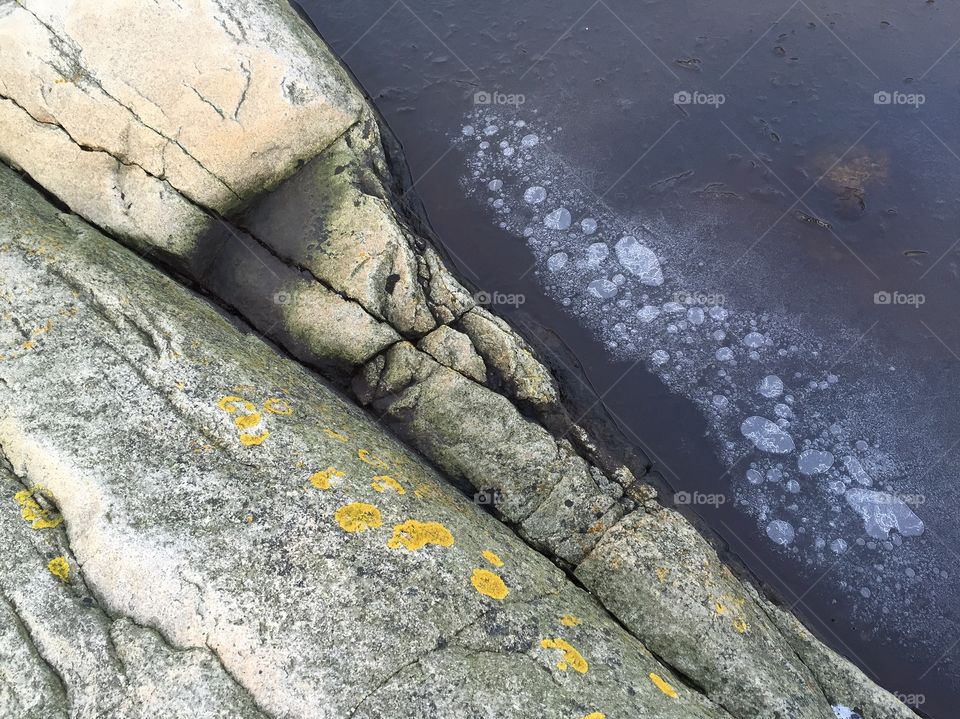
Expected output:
(382, 482)
(28, 345)
(37, 516)
(740, 626)
(231, 404)
(662, 574)
(335, 435)
(568, 620)
(60, 568)
(492, 558)
(416, 535)
(358, 517)
(660, 684)
(275, 405)
(321, 479)
(719, 609)
(368, 458)
(596, 715)
(571, 657)
(250, 440)
(247, 421)
(489, 584)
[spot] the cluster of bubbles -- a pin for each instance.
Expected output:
(816, 484)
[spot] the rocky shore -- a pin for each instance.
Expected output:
(245, 410)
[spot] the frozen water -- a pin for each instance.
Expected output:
(770, 386)
(813, 461)
(535, 195)
(597, 253)
(648, 313)
(602, 288)
(559, 219)
(857, 472)
(557, 261)
(882, 512)
(530, 140)
(588, 225)
(639, 260)
(766, 436)
(780, 532)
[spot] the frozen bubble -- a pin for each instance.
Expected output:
(783, 411)
(495, 185)
(832, 378)
(507, 152)
(559, 219)
(724, 354)
(780, 531)
(660, 357)
(719, 335)
(467, 130)
(602, 288)
(597, 253)
(648, 313)
(639, 260)
(864, 592)
(754, 339)
(774, 475)
(719, 401)
(857, 472)
(910, 573)
(673, 307)
(530, 140)
(718, 313)
(766, 436)
(557, 262)
(534, 195)
(484, 145)
(695, 315)
(861, 445)
(882, 512)
(813, 461)
(838, 546)
(490, 130)
(754, 477)
(588, 225)
(770, 386)
(793, 486)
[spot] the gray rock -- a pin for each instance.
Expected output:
(453, 349)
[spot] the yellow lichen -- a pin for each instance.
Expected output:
(248, 421)
(596, 715)
(416, 535)
(275, 405)
(381, 482)
(662, 574)
(28, 345)
(492, 558)
(719, 609)
(321, 479)
(489, 584)
(571, 657)
(335, 435)
(230, 402)
(740, 625)
(253, 439)
(358, 517)
(60, 568)
(568, 620)
(660, 684)
(368, 458)
(30, 510)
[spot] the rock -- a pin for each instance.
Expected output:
(453, 349)
(668, 587)
(234, 532)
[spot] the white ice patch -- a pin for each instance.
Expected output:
(770, 386)
(639, 260)
(557, 261)
(648, 313)
(766, 436)
(559, 219)
(882, 512)
(813, 461)
(602, 288)
(535, 195)
(588, 225)
(780, 532)
(857, 472)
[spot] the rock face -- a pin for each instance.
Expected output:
(198, 527)
(236, 530)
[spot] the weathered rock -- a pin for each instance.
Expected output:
(219, 496)
(667, 585)
(453, 349)
(535, 481)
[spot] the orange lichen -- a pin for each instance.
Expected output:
(321, 479)
(275, 405)
(33, 513)
(335, 435)
(381, 482)
(60, 568)
(489, 584)
(492, 558)
(568, 620)
(660, 684)
(249, 440)
(571, 657)
(358, 517)
(416, 535)
(368, 458)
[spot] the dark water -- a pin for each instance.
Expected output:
(797, 199)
